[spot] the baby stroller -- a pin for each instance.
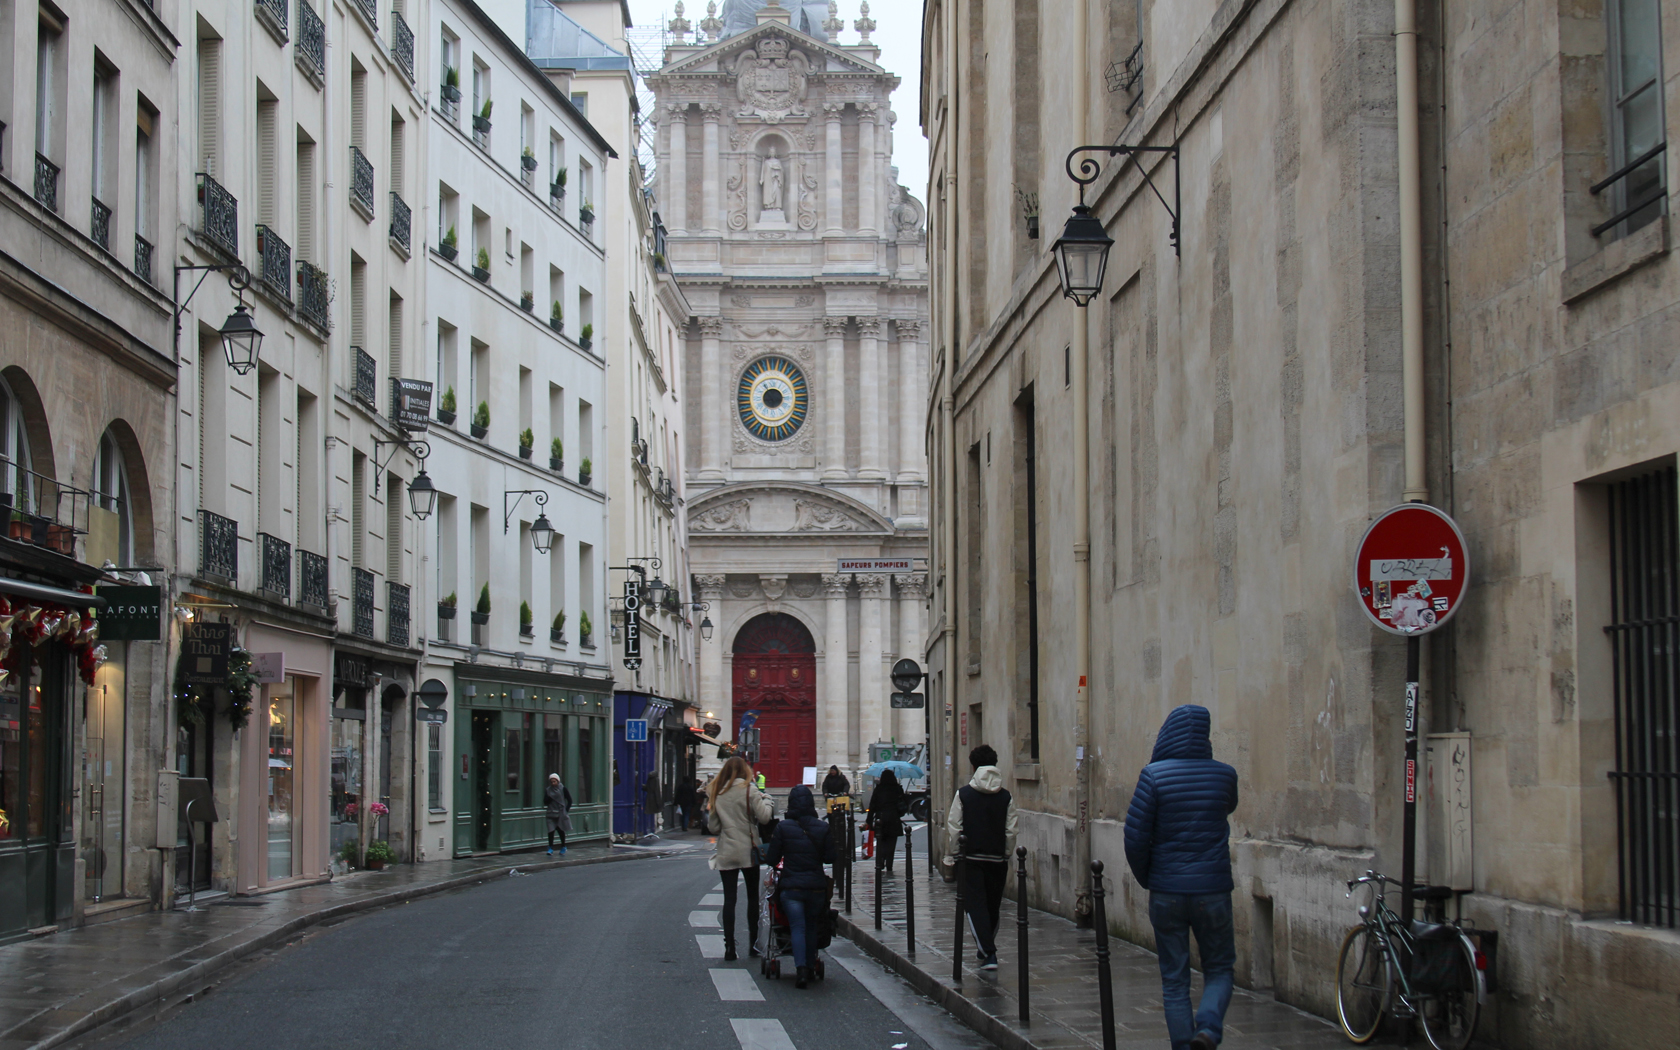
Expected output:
(775, 939)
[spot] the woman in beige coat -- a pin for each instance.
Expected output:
(737, 808)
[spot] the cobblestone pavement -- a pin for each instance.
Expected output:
(67, 983)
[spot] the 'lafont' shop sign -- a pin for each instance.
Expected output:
(132, 614)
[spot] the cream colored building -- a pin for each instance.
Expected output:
(1319, 344)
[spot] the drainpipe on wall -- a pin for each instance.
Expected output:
(1411, 246)
(1080, 354)
(947, 409)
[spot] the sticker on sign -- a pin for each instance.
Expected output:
(1411, 571)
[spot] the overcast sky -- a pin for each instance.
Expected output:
(899, 34)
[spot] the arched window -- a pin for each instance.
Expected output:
(15, 461)
(110, 521)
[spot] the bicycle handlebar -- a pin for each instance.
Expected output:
(1372, 878)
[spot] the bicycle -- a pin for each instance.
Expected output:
(1430, 970)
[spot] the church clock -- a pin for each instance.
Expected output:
(773, 398)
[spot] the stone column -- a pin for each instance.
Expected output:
(868, 172)
(872, 691)
(910, 725)
(832, 205)
(714, 683)
(676, 170)
(911, 457)
(834, 703)
(711, 202)
(712, 402)
(834, 400)
(871, 463)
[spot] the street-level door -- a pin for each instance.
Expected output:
(775, 671)
(483, 774)
(36, 855)
(103, 776)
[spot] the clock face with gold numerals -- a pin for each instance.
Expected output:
(773, 398)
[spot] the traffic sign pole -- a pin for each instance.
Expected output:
(1408, 830)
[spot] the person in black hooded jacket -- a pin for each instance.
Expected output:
(802, 844)
(886, 813)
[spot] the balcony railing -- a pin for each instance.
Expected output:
(396, 615)
(143, 258)
(218, 552)
(274, 13)
(312, 579)
(311, 46)
(314, 298)
(219, 220)
(366, 377)
(46, 182)
(275, 557)
(100, 227)
(361, 586)
(361, 182)
(402, 222)
(274, 258)
(402, 43)
(369, 8)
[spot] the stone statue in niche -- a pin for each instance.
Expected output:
(770, 181)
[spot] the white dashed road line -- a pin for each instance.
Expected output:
(703, 919)
(711, 945)
(761, 1034)
(736, 986)
(712, 900)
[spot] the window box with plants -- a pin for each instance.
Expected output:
(586, 631)
(556, 456)
(527, 441)
(528, 301)
(446, 407)
(525, 628)
(480, 425)
(556, 317)
(481, 265)
(586, 213)
(481, 615)
(585, 472)
(481, 119)
(527, 159)
(451, 85)
(557, 630)
(557, 188)
(659, 261)
(446, 607)
(449, 247)
(586, 337)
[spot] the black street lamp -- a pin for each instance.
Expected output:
(656, 590)
(241, 339)
(1082, 251)
(422, 494)
(542, 532)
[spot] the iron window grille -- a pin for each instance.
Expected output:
(361, 182)
(312, 579)
(143, 258)
(275, 557)
(100, 227)
(1644, 635)
(46, 182)
(396, 614)
(402, 43)
(219, 215)
(274, 257)
(311, 47)
(402, 222)
(366, 378)
(274, 13)
(314, 294)
(361, 582)
(218, 553)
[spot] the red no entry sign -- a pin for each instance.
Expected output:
(1411, 571)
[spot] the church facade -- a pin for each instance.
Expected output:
(805, 264)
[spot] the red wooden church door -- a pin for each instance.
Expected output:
(775, 674)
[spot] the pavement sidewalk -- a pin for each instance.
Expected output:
(66, 984)
(1062, 989)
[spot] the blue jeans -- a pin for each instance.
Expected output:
(798, 906)
(1174, 916)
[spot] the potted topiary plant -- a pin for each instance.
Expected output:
(379, 853)
(481, 119)
(557, 188)
(527, 441)
(586, 336)
(446, 407)
(448, 247)
(528, 300)
(527, 159)
(556, 456)
(525, 619)
(557, 631)
(481, 615)
(446, 607)
(480, 425)
(481, 264)
(451, 84)
(586, 631)
(556, 318)
(585, 470)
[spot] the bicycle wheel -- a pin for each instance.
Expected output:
(1450, 1015)
(1364, 983)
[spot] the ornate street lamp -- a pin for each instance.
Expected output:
(656, 590)
(241, 340)
(422, 496)
(1082, 251)
(542, 534)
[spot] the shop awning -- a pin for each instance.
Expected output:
(58, 595)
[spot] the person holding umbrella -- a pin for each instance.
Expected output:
(886, 812)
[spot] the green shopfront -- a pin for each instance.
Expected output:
(512, 729)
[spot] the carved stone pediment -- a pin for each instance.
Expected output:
(788, 509)
(720, 57)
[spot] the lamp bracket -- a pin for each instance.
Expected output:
(239, 279)
(537, 495)
(637, 567)
(1090, 170)
(418, 449)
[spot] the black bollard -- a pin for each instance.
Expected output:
(1105, 985)
(1021, 928)
(851, 855)
(880, 860)
(909, 892)
(956, 956)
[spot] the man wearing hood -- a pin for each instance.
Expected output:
(802, 844)
(984, 815)
(1178, 845)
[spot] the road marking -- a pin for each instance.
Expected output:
(757, 1034)
(703, 918)
(712, 900)
(736, 986)
(711, 945)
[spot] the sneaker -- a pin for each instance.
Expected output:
(991, 963)
(551, 853)
(1203, 1041)
(562, 851)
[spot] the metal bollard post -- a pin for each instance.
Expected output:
(851, 855)
(1105, 985)
(1021, 928)
(880, 860)
(956, 956)
(909, 892)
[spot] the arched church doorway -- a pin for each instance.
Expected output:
(775, 675)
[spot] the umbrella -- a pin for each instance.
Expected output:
(901, 770)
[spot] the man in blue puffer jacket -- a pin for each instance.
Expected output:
(1177, 843)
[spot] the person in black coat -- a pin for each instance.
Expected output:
(835, 783)
(802, 844)
(886, 812)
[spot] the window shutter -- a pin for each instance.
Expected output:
(306, 201)
(396, 336)
(209, 104)
(397, 158)
(266, 111)
(393, 528)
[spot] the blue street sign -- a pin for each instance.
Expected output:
(635, 730)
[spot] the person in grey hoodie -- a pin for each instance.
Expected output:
(984, 815)
(557, 803)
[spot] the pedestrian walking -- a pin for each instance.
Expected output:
(1178, 837)
(557, 802)
(760, 782)
(886, 817)
(802, 844)
(684, 798)
(738, 809)
(984, 815)
(836, 783)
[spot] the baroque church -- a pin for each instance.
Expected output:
(806, 266)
